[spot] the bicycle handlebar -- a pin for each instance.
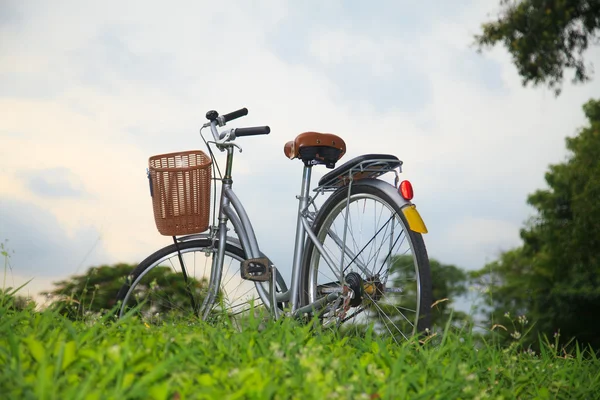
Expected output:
(220, 120)
(255, 130)
(236, 114)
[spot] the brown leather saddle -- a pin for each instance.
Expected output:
(315, 148)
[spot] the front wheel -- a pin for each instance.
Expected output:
(382, 263)
(159, 288)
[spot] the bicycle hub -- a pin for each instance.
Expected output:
(354, 282)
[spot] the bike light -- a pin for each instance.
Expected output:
(406, 190)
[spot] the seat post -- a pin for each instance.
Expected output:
(300, 235)
(305, 188)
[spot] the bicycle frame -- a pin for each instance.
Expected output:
(231, 209)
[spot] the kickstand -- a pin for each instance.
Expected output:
(185, 275)
(273, 293)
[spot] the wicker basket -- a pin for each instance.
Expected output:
(180, 189)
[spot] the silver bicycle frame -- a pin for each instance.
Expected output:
(231, 209)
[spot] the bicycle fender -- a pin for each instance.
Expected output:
(412, 216)
(187, 238)
(230, 240)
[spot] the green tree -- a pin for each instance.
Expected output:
(92, 292)
(554, 278)
(545, 37)
(96, 290)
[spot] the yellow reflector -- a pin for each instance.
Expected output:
(415, 222)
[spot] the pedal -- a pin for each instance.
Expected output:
(256, 269)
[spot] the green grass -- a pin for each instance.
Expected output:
(45, 356)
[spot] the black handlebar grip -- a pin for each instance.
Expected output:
(257, 130)
(236, 114)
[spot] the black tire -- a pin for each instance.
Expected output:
(157, 290)
(379, 303)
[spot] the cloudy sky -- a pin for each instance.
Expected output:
(90, 90)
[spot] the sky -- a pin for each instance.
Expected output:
(90, 90)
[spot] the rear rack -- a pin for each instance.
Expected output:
(362, 167)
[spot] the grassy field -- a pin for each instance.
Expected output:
(45, 356)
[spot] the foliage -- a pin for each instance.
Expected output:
(96, 290)
(545, 37)
(554, 278)
(44, 355)
(92, 292)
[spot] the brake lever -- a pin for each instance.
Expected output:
(221, 145)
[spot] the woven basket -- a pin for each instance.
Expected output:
(180, 189)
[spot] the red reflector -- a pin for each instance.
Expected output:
(406, 190)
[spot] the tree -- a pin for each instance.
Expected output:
(93, 291)
(96, 290)
(554, 278)
(545, 37)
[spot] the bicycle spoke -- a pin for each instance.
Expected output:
(375, 242)
(406, 309)
(376, 255)
(388, 317)
(388, 255)
(227, 273)
(365, 246)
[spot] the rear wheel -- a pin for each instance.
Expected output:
(383, 264)
(159, 290)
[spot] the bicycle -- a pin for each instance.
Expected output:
(359, 258)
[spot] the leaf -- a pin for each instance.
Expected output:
(374, 347)
(68, 355)
(36, 348)
(206, 380)
(544, 393)
(128, 380)
(159, 391)
(92, 396)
